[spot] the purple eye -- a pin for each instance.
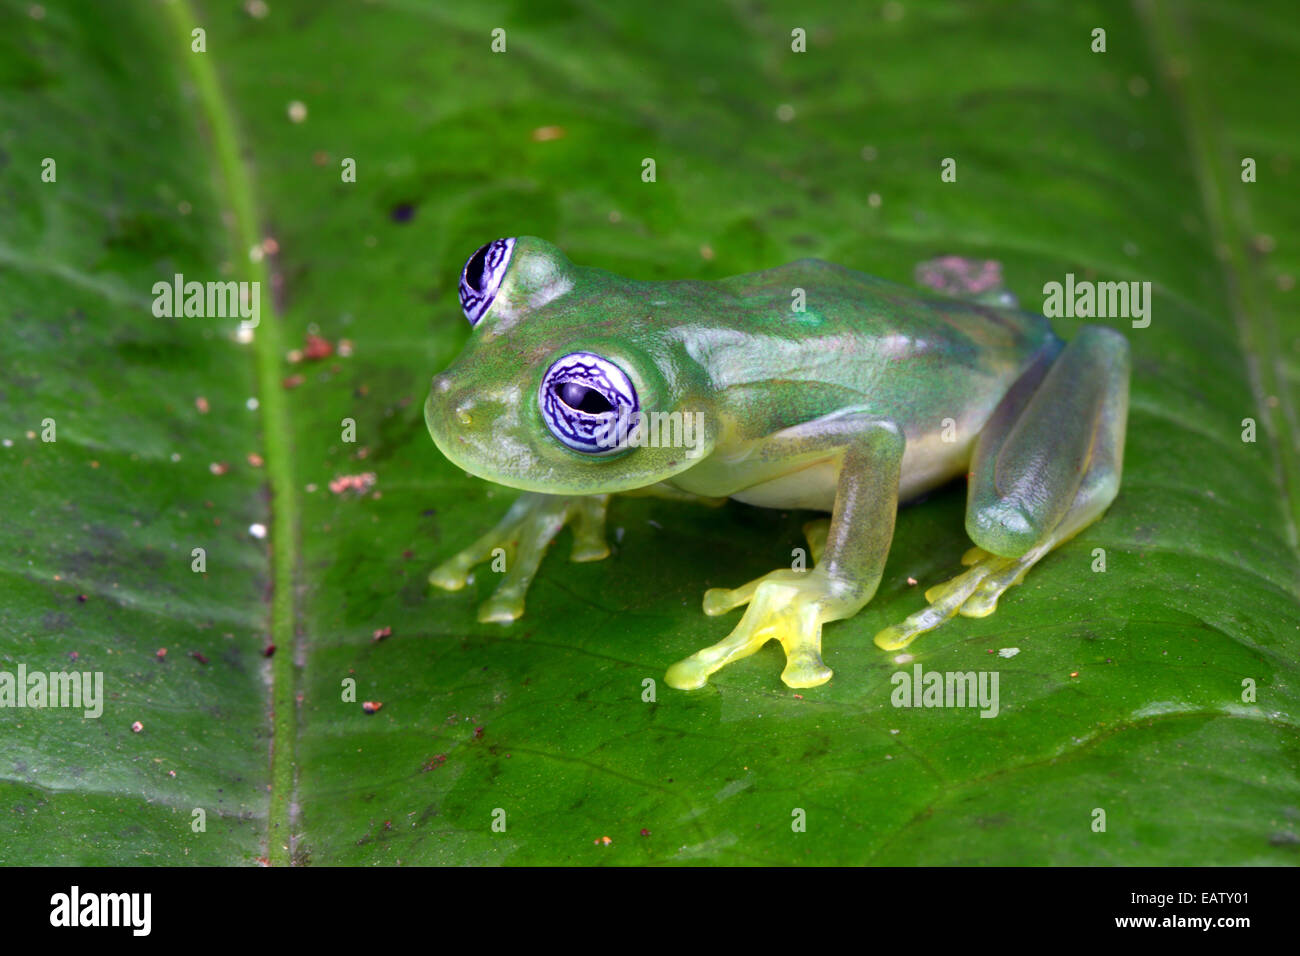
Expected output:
(588, 402)
(481, 277)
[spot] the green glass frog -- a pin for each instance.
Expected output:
(804, 386)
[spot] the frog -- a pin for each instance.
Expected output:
(805, 386)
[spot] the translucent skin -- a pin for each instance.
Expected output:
(732, 350)
(870, 395)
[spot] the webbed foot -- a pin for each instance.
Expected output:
(973, 593)
(785, 606)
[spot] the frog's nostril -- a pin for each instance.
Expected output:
(463, 410)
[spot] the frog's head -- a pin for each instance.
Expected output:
(566, 386)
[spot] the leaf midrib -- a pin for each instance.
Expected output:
(235, 187)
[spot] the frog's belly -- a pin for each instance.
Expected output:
(926, 464)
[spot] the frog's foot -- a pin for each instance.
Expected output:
(973, 593)
(519, 542)
(786, 606)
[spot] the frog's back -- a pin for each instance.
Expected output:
(864, 341)
(838, 301)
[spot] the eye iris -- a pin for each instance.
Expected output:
(588, 402)
(583, 399)
(481, 278)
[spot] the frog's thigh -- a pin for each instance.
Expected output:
(1023, 501)
(1051, 460)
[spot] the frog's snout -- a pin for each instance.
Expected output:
(473, 423)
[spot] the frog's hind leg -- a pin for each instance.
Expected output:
(1046, 466)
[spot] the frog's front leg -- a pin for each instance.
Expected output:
(523, 536)
(791, 606)
(1046, 466)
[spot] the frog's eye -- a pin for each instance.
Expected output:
(588, 402)
(481, 277)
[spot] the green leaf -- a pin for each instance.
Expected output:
(1126, 694)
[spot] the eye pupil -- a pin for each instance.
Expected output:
(583, 399)
(474, 269)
